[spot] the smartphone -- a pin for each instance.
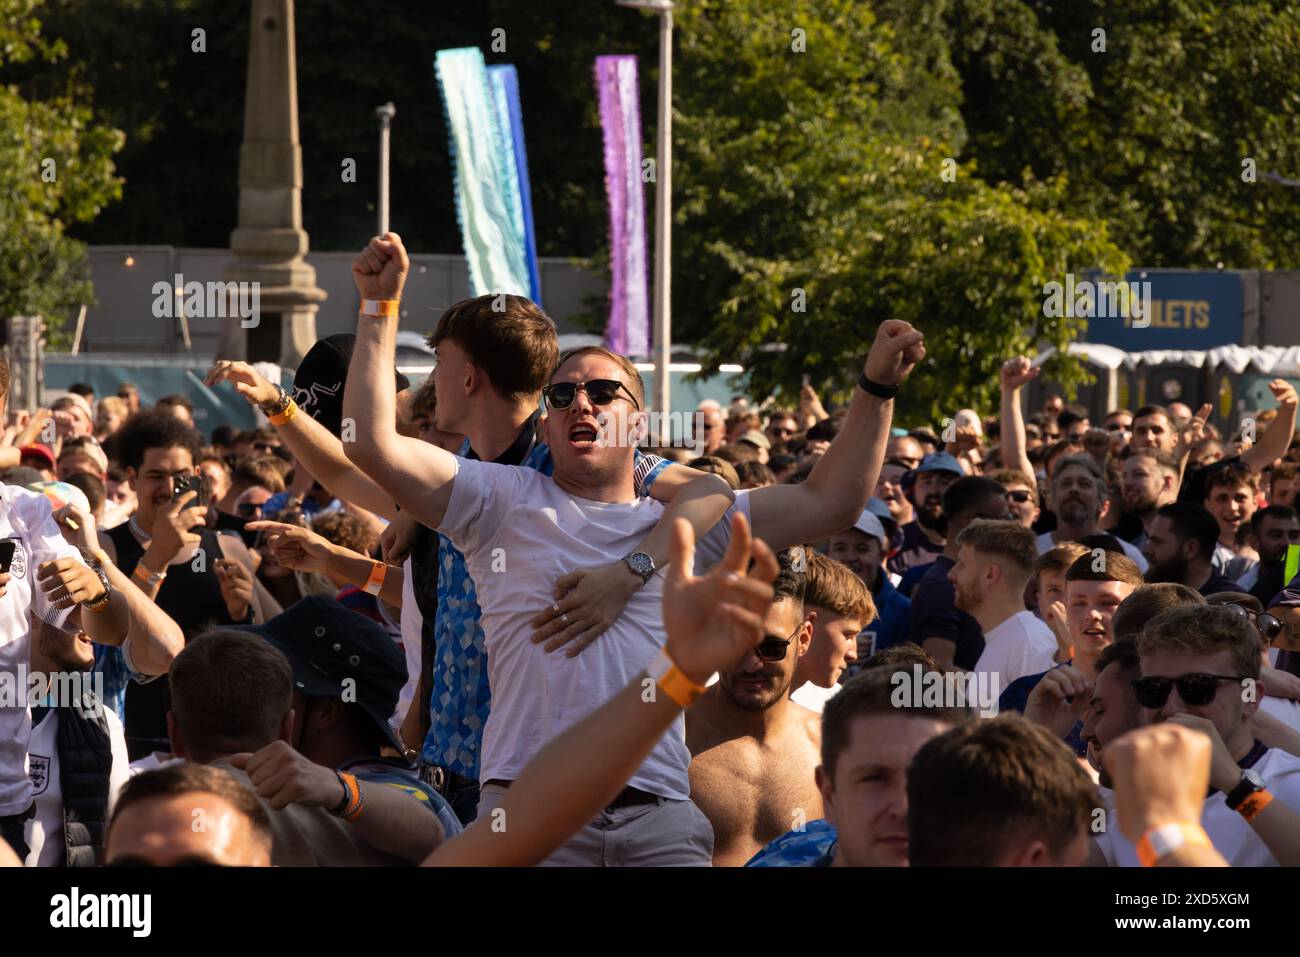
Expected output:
(7, 549)
(198, 482)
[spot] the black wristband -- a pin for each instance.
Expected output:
(876, 389)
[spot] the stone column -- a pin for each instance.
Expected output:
(269, 243)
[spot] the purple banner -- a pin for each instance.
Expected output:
(628, 330)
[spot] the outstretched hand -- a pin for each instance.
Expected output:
(247, 381)
(714, 620)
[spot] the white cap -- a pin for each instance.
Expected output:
(869, 524)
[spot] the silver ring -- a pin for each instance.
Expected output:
(556, 607)
(564, 618)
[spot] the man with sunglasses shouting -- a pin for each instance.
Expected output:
(1200, 668)
(520, 530)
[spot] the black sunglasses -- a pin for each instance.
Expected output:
(1117, 427)
(1019, 496)
(1268, 626)
(774, 647)
(560, 395)
(1196, 690)
(248, 509)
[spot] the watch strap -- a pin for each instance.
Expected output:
(1244, 789)
(876, 388)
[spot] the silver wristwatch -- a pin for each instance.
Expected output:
(641, 564)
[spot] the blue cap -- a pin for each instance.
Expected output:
(940, 462)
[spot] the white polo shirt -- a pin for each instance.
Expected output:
(25, 517)
(1228, 831)
(519, 532)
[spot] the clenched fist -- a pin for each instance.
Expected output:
(380, 269)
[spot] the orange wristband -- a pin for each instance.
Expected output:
(1254, 804)
(670, 678)
(1159, 842)
(375, 583)
(384, 308)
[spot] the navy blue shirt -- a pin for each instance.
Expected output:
(935, 615)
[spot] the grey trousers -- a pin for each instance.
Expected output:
(667, 834)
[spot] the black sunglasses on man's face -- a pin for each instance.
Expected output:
(561, 395)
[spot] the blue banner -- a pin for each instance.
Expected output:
(1188, 310)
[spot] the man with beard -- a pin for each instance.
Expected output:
(1180, 547)
(753, 750)
(889, 489)
(922, 538)
(994, 563)
(1272, 528)
(1078, 489)
(946, 632)
(1148, 479)
(861, 549)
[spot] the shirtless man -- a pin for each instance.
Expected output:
(753, 750)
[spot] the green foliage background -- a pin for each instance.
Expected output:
(817, 170)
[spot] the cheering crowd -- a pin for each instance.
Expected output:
(482, 622)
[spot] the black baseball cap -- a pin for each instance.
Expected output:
(335, 651)
(318, 383)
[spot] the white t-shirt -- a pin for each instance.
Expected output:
(44, 833)
(1045, 544)
(1229, 833)
(1284, 709)
(813, 697)
(412, 635)
(1021, 645)
(25, 517)
(519, 532)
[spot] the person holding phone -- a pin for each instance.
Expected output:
(198, 577)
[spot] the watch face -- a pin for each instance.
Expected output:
(1254, 778)
(642, 564)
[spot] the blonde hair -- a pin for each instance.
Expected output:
(830, 585)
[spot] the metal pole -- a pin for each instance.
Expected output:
(662, 332)
(385, 114)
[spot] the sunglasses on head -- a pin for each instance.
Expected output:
(1268, 626)
(560, 395)
(1196, 690)
(774, 647)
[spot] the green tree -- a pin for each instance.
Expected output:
(56, 169)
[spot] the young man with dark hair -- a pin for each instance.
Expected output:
(1272, 529)
(1283, 482)
(232, 697)
(867, 743)
(154, 822)
(1002, 792)
(945, 631)
(1230, 497)
(1180, 548)
(199, 578)
(1153, 429)
(753, 750)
